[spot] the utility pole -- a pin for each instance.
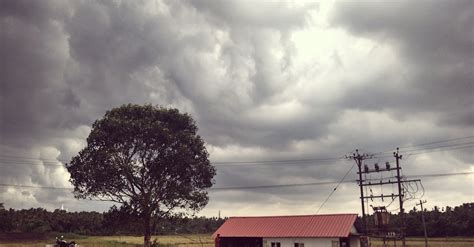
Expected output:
(382, 228)
(358, 159)
(423, 220)
(400, 196)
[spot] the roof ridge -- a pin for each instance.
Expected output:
(318, 225)
(302, 215)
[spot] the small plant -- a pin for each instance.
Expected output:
(155, 243)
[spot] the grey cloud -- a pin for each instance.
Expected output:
(34, 52)
(435, 39)
(252, 75)
(249, 14)
(37, 12)
(232, 66)
(429, 30)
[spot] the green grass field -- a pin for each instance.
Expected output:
(432, 242)
(206, 241)
(96, 241)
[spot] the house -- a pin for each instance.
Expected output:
(332, 230)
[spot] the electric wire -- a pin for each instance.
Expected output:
(335, 188)
(429, 150)
(22, 163)
(435, 147)
(258, 186)
(228, 163)
(9, 162)
(260, 162)
(403, 148)
(315, 161)
(430, 143)
(278, 161)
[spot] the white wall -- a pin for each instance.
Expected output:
(308, 242)
(354, 241)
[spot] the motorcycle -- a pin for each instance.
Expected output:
(60, 242)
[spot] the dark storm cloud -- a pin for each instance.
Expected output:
(34, 100)
(249, 14)
(234, 66)
(65, 63)
(436, 43)
(35, 105)
(219, 61)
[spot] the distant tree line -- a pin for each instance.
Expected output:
(444, 222)
(113, 222)
(440, 222)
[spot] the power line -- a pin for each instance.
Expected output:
(429, 150)
(428, 143)
(28, 164)
(437, 147)
(259, 186)
(242, 164)
(278, 161)
(23, 160)
(10, 158)
(271, 161)
(273, 186)
(439, 141)
(36, 186)
(231, 165)
(26, 161)
(446, 149)
(32, 158)
(440, 174)
(335, 188)
(32, 163)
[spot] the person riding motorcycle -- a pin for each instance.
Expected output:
(60, 242)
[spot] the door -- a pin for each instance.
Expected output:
(344, 242)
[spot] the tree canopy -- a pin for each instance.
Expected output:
(148, 158)
(34, 222)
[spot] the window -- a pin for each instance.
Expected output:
(299, 244)
(335, 243)
(276, 244)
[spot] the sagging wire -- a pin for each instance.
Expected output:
(412, 192)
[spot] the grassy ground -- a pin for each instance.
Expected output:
(206, 241)
(122, 241)
(432, 242)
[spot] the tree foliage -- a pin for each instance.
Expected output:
(36, 221)
(458, 221)
(150, 159)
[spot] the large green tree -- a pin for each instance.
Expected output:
(148, 158)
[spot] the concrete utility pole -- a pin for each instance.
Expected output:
(381, 230)
(358, 159)
(400, 195)
(423, 220)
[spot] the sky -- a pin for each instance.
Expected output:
(297, 84)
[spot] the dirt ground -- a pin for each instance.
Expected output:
(206, 241)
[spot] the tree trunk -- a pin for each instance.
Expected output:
(146, 231)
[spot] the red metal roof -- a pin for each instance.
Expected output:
(319, 226)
